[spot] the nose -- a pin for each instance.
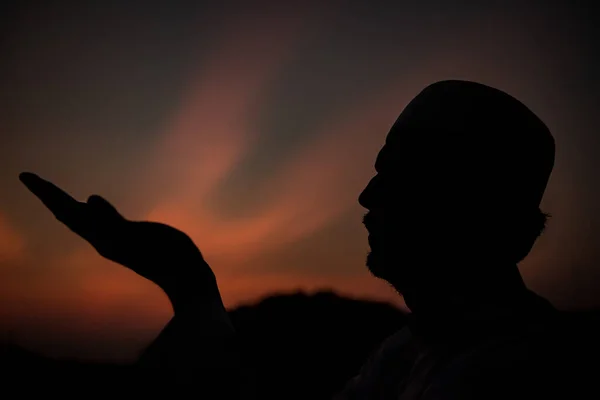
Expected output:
(367, 197)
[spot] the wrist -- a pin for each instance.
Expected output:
(199, 305)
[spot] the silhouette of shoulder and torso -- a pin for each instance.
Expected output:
(493, 354)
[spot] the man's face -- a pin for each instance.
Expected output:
(424, 209)
(390, 220)
(402, 199)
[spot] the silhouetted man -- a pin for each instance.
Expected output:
(452, 210)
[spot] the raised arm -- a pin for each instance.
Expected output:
(200, 337)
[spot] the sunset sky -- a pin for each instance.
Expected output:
(253, 126)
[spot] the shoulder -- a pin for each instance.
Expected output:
(519, 366)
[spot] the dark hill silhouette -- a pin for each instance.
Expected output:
(310, 343)
(313, 344)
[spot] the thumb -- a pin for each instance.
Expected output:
(103, 208)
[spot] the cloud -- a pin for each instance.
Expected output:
(311, 189)
(212, 132)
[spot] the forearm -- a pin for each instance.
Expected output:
(201, 309)
(198, 346)
(200, 334)
(182, 346)
(192, 361)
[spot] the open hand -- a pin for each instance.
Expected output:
(156, 251)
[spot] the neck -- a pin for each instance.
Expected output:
(446, 297)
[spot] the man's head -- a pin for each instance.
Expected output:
(458, 186)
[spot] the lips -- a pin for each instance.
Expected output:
(368, 221)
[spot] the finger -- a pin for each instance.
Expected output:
(64, 207)
(103, 208)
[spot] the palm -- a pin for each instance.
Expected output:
(156, 251)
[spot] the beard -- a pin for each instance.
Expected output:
(376, 264)
(395, 267)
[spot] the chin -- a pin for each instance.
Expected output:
(376, 266)
(384, 269)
